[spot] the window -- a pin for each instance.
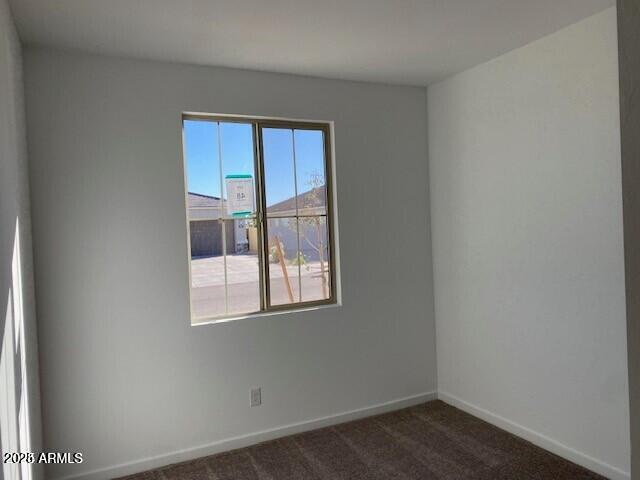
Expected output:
(259, 211)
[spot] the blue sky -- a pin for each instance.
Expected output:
(203, 164)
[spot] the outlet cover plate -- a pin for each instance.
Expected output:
(256, 397)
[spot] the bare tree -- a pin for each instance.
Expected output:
(309, 200)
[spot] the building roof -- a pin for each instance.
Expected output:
(204, 207)
(199, 200)
(312, 199)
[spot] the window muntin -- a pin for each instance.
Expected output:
(278, 252)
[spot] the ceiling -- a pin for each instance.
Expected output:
(412, 42)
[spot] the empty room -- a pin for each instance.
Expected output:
(302, 240)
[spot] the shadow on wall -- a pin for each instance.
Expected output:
(14, 395)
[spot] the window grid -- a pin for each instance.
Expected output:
(261, 218)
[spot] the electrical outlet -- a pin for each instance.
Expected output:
(256, 397)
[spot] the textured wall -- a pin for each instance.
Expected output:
(527, 243)
(629, 50)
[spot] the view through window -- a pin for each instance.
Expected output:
(258, 208)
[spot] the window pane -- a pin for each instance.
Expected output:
(284, 268)
(203, 169)
(310, 172)
(207, 268)
(237, 147)
(224, 267)
(243, 281)
(279, 179)
(315, 265)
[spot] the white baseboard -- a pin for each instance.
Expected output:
(246, 440)
(538, 439)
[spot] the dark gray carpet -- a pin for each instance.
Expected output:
(429, 441)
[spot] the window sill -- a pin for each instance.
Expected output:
(216, 320)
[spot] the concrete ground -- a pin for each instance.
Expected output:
(208, 292)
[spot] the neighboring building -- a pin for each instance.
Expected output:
(205, 229)
(312, 202)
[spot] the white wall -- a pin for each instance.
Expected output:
(527, 243)
(19, 389)
(124, 375)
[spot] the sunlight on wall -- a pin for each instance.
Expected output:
(14, 407)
